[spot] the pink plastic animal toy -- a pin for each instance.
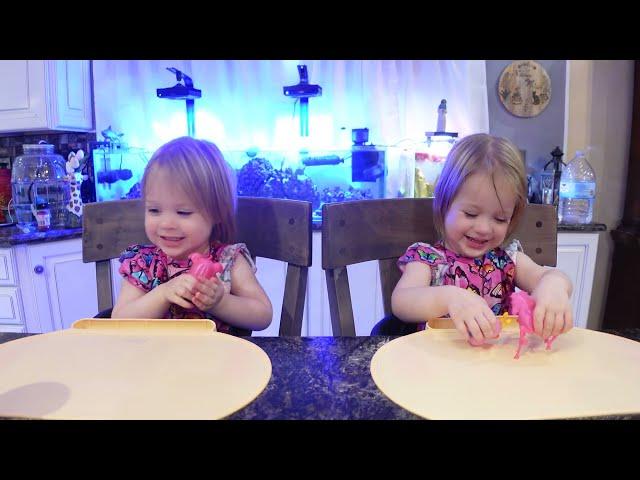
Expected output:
(522, 305)
(203, 267)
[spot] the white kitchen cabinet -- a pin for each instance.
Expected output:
(45, 95)
(48, 287)
(577, 258)
(11, 312)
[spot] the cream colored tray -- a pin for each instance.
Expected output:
(436, 374)
(131, 369)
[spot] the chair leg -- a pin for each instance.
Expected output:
(104, 313)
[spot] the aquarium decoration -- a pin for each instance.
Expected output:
(258, 178)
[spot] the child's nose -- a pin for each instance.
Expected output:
(167, 221)
(483, 225)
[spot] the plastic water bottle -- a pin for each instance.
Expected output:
(577, 191)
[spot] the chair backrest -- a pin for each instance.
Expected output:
(364, 230)
(273, 228)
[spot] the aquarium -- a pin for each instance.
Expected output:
(316, 176)
(319, 176)
(117, 170)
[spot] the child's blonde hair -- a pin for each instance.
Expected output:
(199, 168)
(485, 153)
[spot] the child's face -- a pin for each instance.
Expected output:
(477, 220)
(172, 221)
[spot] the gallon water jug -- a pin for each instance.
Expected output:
(577, 191)
(38, 177)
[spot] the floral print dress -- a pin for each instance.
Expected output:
(490, 276)
(147, 266)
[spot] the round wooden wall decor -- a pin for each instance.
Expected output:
(524, 88)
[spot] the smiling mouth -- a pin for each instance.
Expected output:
(171, 239)
(475, 241)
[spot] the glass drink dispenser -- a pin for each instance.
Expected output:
(38, 177)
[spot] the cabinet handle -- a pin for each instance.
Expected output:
(38, 269)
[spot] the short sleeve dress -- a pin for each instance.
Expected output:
(491, 276)
(147, 266)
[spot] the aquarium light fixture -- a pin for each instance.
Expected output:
(185, 92)
(303, 90)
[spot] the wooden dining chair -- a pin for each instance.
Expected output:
(382, 230)
(274, 228)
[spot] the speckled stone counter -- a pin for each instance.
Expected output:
(12, 235)
(323, 378)
(564, 228)
(581, 228)
(327, 378)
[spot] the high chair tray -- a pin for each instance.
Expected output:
(131, 369)
(446, 322)
(436, 374)
(160, 326)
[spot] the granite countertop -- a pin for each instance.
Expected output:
(12, 235)
(327, 378)
(323, 378)
(562, 227)
(587, 227)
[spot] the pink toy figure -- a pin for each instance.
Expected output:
(203, 266)
(522, 305)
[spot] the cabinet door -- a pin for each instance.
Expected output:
(23, 102)
(70, 94)
(577, 258)
(64, 286)
(11, 317)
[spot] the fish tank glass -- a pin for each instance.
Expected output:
(117, 170)
(319, 176)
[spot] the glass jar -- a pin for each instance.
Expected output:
(38, 176)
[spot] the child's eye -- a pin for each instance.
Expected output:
(501, 220)
(470, 215)
(152, 210)
(183, 213)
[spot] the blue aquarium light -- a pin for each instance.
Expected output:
(303, 90)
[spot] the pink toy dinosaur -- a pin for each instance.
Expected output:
(522, 305)
(203, 266)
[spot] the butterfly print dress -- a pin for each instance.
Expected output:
(490, 276)
(147, 266)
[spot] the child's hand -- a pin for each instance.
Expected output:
(180, 290)
(208, 293)
(552, 314)
(472, 317)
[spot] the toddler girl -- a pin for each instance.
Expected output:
(468, 275)
(189, 200)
